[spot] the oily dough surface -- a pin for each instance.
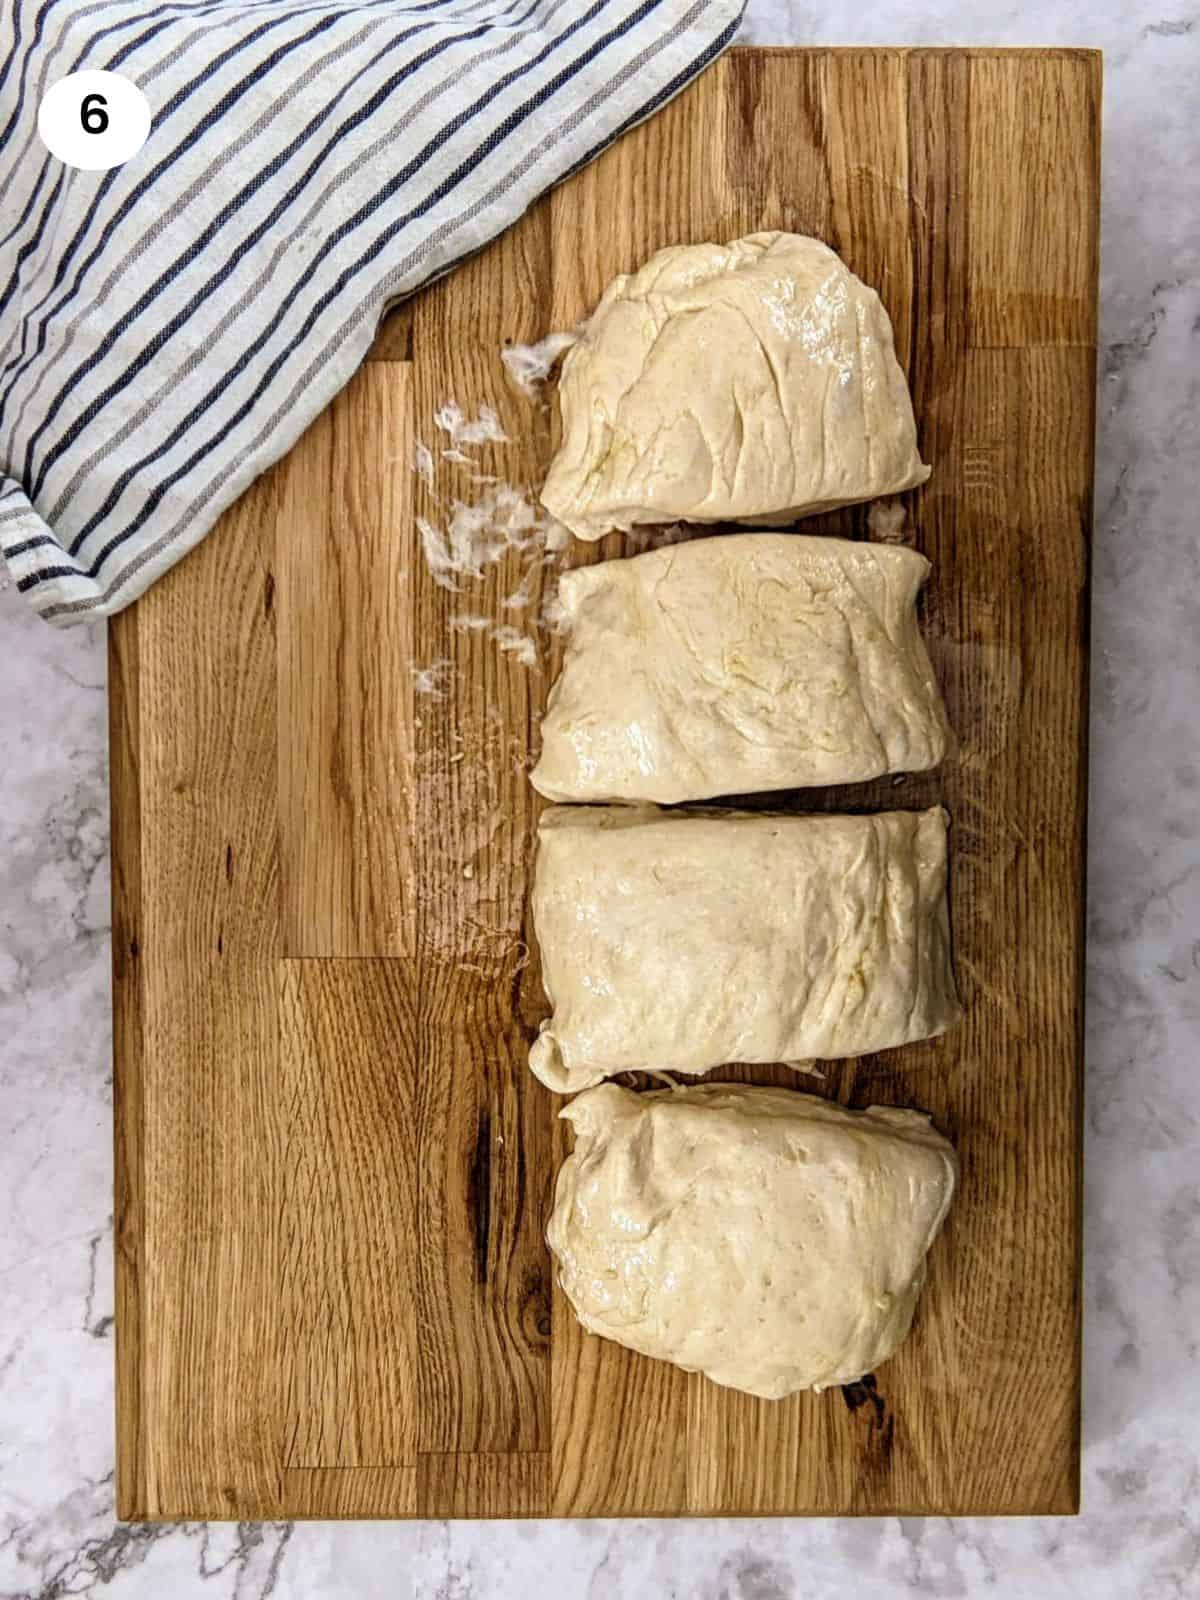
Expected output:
(769, 1239)
(741, 664)
(680, 941)
(729, 382)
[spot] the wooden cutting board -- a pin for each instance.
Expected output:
(333, 1166)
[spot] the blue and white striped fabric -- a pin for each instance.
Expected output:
(168, 328)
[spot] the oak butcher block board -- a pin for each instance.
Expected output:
(333, 1167)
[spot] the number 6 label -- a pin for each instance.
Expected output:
(94, 120)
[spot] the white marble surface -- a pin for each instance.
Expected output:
(1139, 1535)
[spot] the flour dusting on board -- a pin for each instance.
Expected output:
(422, 461)
(495, 527)
(483, 429)
(522, 595)
(529, 365)
(509, 640)
(886, 521)
(554, 614)
(477, 535)
(433, 680)
(513, 642)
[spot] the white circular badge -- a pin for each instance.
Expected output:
(94, 120)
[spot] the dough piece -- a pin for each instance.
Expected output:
(741, 664)
(769, 1239)
(725, 382)
(685, 940)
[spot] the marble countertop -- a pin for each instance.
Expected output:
(1139, 1534)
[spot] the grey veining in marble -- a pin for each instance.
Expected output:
(1139, 1536)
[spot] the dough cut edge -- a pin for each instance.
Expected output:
(934, 870)
(548, 790)
(548, 1067)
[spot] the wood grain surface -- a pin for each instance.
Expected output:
(333, 1166)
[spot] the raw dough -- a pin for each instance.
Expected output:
(680, 941)
(769, 1239)
(741, 664)
(725, 382)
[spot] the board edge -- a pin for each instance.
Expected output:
(132, 1500)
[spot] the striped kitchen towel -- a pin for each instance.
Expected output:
(169, 327)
